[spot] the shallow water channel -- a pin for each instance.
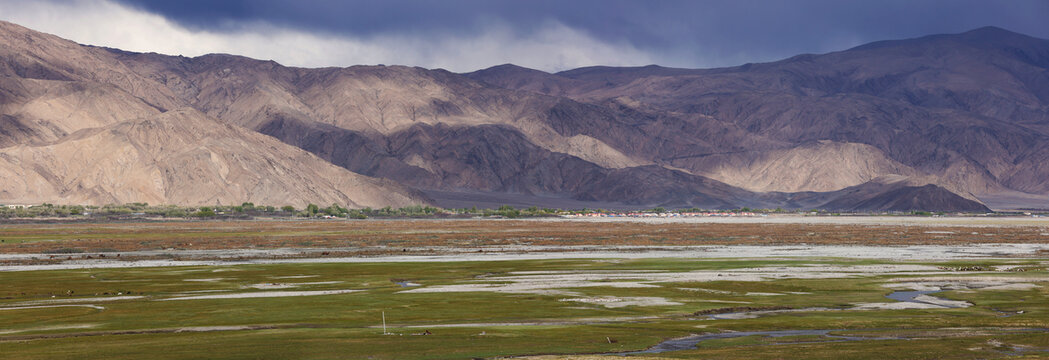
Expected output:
(689, 343)
(911, 296)
(901, 296)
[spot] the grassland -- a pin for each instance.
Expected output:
(546, 308)
(126, 313)
(41, 238)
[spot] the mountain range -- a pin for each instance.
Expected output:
(941, 123)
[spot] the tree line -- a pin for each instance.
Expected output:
(249, 210)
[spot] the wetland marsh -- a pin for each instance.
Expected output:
(527, 294)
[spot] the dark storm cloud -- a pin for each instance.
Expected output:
(550, 35)
(682, 33)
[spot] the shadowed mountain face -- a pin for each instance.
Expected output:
(969, 112)
(805, 132)
(899, 198)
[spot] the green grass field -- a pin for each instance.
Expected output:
(557, 307)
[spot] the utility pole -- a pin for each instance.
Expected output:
(384, 324)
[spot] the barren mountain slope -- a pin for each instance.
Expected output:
(372, 100)
(52, 87)
(971, 109)
(79, 126)
(183, 157)
(876, 196)
(29, 54)
(46, 110)
(816, 166)
(430, 128)
(643, 136)
(489, 158)
(376, 103)
(484, 161)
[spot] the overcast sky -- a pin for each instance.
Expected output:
(550, 35)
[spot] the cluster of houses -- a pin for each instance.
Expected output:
(660, 215)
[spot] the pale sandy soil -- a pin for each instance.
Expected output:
(760, 313)
(79, 300)
(293, 277)
(49, 328)
(532, 282)
(942, 302)
(204, 291)
(720, 301)
(708, 291)
(1012, 287)
(963, 282)
(618, 302)
(50, 306)
(262, 294)
(532, 252)
(999, 283)
(290, 285)
(578, 321)
(895, 306)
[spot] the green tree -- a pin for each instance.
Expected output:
(204, 212)
(335, 210)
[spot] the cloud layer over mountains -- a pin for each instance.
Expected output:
(547, 35)
(552, 45)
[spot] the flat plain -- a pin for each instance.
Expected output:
(532, 288)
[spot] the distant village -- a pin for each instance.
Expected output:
(247, 210)
(662, 214)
